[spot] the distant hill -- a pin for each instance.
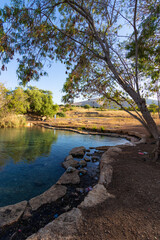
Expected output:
(94, 102)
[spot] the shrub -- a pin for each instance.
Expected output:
(87, 106)
(12, 121)
(61, 114)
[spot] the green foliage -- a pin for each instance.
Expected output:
(86, 37)
(61, 114)
(32, 100)
(18, 101)
(94, 128)
(41, 102)
(153, 108)
(87, 106)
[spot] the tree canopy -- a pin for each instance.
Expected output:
(87, 36)
(32, 100)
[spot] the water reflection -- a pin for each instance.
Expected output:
(25, 144)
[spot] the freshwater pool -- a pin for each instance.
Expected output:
(30, 159)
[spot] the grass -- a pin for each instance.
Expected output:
(12, 121)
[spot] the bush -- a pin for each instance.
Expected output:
(61, 114)
(12, 121)
(87, 106)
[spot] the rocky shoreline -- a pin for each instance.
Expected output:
(73, 191)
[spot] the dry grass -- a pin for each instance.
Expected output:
(92, 118)
(12, 121)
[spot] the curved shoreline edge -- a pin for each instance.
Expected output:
(69, 222)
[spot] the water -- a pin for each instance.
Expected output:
(30, 159)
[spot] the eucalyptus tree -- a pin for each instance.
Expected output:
(148, 51)
(87, 35)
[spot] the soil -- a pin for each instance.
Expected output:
(134, 214)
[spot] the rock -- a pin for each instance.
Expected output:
(89, 154)
(64, 227)
(11, 214)
(51, 195)
(113, 151)
(98, 195)
(106, 175)
(87, 150)
(69, 157)
(87, 159)
(95, 159)
(70, 163)
(69, 178)
(83, 171)
(105, 148)
(78, 152)
(70, 169)
(82, 163)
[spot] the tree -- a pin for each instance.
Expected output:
(18, 101)
(148, 51)
(41, 102)
(86, 36)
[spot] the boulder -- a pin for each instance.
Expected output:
(51, 195)
(82, 171)
(70, 163)
(70, 169)
(78, 152)
(95, 159)
(69, 157)
(69, 178)
(98, 195)
(82, 163)
(87, 159)
(11, 213)
(64, 227)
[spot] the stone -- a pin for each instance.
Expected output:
(70, 169)
(78, 152)
(69, 178)
(87, 159)
(95, 159)
(70, 163)
(51, 195)
(113, 151)
(65, 227)
(83, 171)
(69, 157)
(98, 195)
(11, 214)
(82, 163)
(106, 175)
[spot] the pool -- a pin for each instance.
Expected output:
(30, 159)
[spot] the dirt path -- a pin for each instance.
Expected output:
(135, 211)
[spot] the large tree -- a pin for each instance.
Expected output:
(87, 36)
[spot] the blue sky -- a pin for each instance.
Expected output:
(53, 82)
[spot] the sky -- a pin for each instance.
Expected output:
(53, 82)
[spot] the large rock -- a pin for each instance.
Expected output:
(69, 157)
(69, 178)
(70, 163)
(98, 195)
(113, 151)
(106, 175)
(64, 227)
(11, 213)
(78, 152)
(82, 163)
(51, 195)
